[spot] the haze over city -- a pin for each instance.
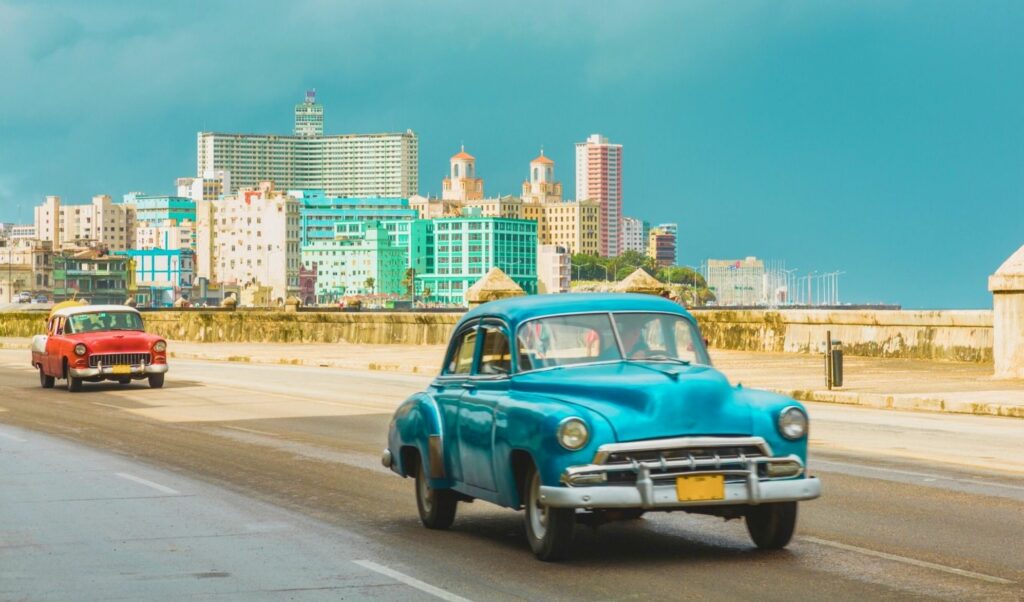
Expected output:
(881, 139)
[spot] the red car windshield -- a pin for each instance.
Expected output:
(104, 320)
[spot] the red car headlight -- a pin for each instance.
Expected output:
(160, 346)
(80, 349)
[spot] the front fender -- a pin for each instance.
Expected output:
(765, 409)
(415, 423)
(526, 430)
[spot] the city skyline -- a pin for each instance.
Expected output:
(871, 139)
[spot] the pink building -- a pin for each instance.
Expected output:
(599, 178)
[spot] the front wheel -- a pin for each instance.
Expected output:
(436, 506)
(156, 381)
(45, 381)
(771, 526)
(74, 384)
(549, 530)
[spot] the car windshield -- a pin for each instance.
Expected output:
(589, 338)
(104, 320)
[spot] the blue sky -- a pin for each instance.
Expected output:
(884, 139)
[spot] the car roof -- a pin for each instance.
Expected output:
(91, 309)
(516, 310)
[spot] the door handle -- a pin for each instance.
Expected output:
(469, 386)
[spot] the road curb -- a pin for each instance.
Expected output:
(907, 402)
(368, 366)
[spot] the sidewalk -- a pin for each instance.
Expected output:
(918, 385)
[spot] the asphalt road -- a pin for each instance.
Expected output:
(915, 506)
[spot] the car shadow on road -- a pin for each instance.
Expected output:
(135, 385)
(653, 540)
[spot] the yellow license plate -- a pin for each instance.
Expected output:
(121, 369)
(700, 488)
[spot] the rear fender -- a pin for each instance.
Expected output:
(418, 424)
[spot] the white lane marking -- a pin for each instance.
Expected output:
(243, 429)
(107, 405)
(411, 581)
(141, 481)
(911, 473)
(912, 561)
(13, 438)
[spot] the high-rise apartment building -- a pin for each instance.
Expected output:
(599, 178)
(251, 238)
(309, 117)
(101, 223)
(360, 165)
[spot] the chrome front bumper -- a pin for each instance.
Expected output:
(585, 485)
(108, 371)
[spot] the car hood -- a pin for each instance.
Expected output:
(127, 341)
(647, 400)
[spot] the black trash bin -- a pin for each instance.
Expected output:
(836, 363)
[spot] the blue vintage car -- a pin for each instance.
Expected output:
(597, 407)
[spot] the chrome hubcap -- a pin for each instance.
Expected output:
(426, 493)
(538, 513)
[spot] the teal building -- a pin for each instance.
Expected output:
(156, 209)
(320, 214)
(161, 275)
(466, 247)
(360, 253)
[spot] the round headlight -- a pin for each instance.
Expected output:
(573, 433)
(792, 423)
(80, 349)
(160, 346)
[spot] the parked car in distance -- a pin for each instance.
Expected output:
(23, 297)
(92, 343)
(589, 408)
(41, 299)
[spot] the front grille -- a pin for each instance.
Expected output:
(119, 359)
(726, 457)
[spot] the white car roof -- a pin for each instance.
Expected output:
(91, 309)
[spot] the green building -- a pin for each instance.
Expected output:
(361, 250)
(100, 280)
(466, 247)
(415, 237)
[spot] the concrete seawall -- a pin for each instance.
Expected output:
(957, 335)
(964, 336)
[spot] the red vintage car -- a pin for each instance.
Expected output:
(92, 343)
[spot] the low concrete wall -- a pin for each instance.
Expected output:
(303, 327)
(958, 335)
(945, 335)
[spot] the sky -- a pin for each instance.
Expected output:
(883, 139)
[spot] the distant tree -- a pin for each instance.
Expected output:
(369, 284)
(426, 293)
(410, 282)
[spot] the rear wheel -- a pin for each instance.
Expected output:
(549, 530)
(45, 381)
(156, 381)
(436, 506)
(771, 526)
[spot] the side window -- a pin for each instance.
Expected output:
(58, 326)
(461, 361)
(496, 356)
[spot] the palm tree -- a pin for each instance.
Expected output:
(369, 283)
